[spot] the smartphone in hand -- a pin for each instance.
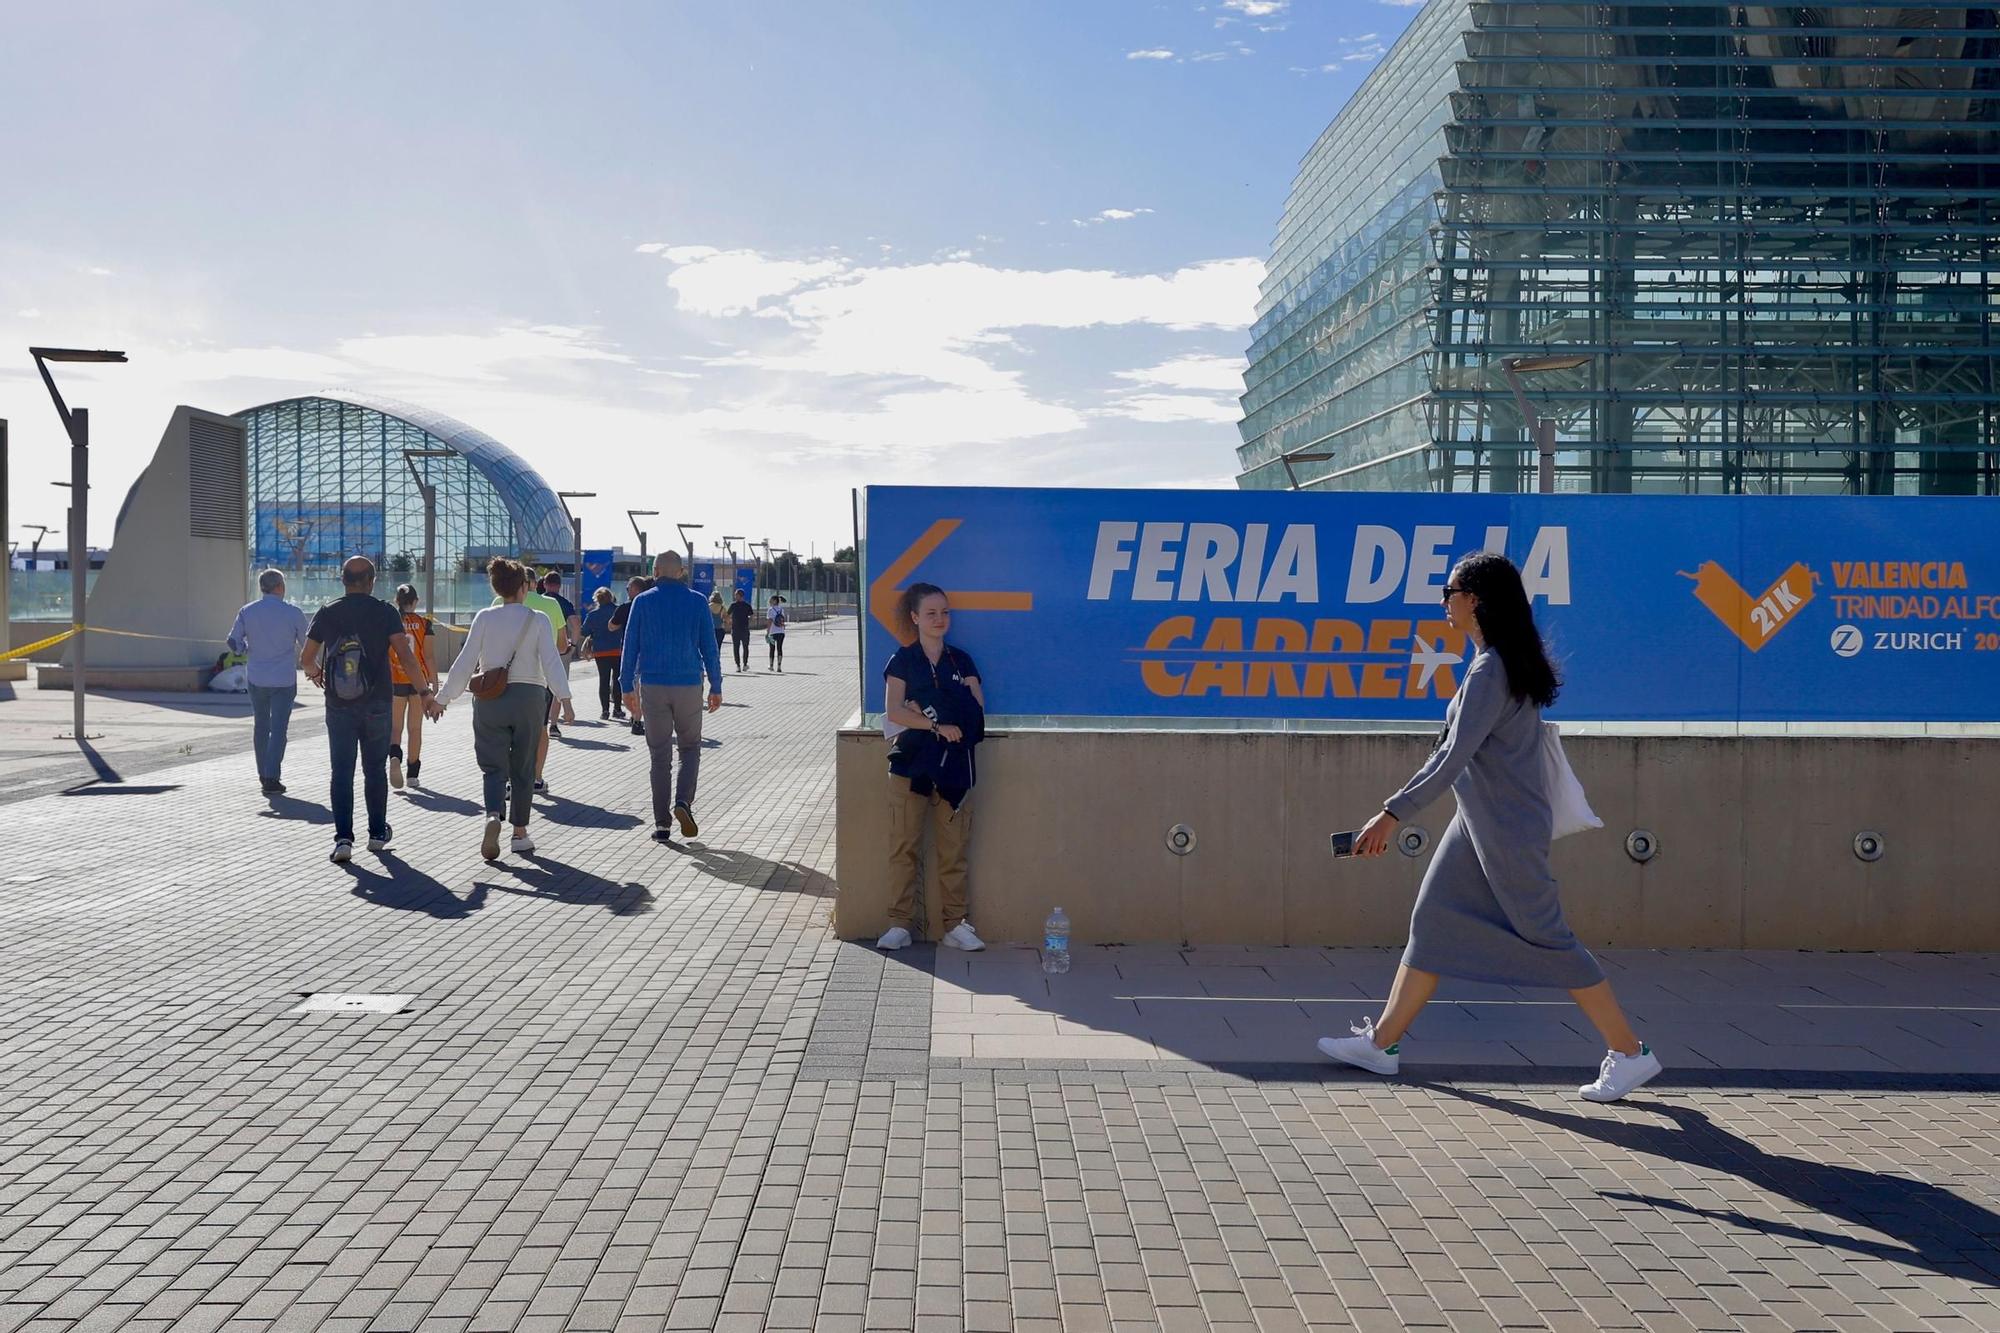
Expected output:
(1343, 843)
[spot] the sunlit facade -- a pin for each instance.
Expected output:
(329, 478)
(1770, 234)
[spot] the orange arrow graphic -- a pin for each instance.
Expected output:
(884, 591)
(1752, 619)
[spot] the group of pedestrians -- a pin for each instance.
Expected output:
(375, 665)
(1488, 909)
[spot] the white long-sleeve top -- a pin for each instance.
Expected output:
(500, 637)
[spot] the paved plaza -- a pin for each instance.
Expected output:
(622, 1086)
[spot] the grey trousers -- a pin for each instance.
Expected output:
(673, 722)
(505, 734)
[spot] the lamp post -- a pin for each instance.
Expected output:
(730, 551)
(576, 528)
(633, 516)
(1289, 459)
(684, 529)
(429, 492)
(35, 547)
(1541, 431)
(77, 424)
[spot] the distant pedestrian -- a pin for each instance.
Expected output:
(271, 632)
(1488, 909)
(507, 730)
(667, 647)
(934, 709)
(775, 621)
(408, 707)
(572, 629)
(559, 627)
(740, 612)
(720, 614)
(606, 646)
(635, 585)
(347, 654)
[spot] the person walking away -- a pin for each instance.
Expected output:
(667, 648)
(1488, 909)
(635, 585)
(535, 598)
(405, 705)
(721, 615)
(271, 633)
(935, 713)
(347, 655)
(775, 621)
(508, 730)
(572, 630)
(606, 646)
(739, 630)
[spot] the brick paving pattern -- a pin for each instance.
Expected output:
(644, 1088)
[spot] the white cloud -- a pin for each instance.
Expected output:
(1219, 374)
(709, 281)
(1160, 408)
(1365, 53)
(1154, 53)
(476, 356)
(29, 313)
(1258, 9)
(97, 271)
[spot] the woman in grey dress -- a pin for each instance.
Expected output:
(1488, 909)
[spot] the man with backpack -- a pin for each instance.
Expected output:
(347, 655)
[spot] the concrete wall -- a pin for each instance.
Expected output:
(1755, 840)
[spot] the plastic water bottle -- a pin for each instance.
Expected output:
(1055, 942)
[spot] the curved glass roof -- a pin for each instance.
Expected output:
(540, 522)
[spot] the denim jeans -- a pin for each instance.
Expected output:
(271, 708)
(362, 728)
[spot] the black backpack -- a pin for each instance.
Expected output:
(347, 670)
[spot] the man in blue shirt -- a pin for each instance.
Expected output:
(669, 641)
(271, 632)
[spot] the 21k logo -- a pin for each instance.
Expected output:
(1752, 619)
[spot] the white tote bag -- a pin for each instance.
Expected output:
(1566, 799)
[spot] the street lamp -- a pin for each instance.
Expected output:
(576, 527)
(730, 551)
(77, 424)
(1289, 459)
(1541, 431)
(35, 547)
(633, 516)
(684, 529)
(430, 494)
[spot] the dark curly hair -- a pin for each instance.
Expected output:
(1508, 623)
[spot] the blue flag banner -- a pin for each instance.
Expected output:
(703, 578)
(1327, 605)
(596, 574)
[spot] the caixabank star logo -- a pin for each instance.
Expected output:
(1755, 620)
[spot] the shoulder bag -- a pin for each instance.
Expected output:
(492, 682)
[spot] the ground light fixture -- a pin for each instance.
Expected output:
(1542, 432)
(76, 422)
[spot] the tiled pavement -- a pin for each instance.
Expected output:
(642, 1088)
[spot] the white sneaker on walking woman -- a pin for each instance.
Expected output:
(1620, 1074)
(1361, 1051)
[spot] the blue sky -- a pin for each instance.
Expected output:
(722, 260)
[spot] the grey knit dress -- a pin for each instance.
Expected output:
(1488, 909)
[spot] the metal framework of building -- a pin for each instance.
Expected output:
(1768, 234)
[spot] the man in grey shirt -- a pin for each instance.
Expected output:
(271, 632)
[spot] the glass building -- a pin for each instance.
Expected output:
(1731, 248)
(328, 479)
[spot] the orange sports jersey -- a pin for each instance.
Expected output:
(419, 629)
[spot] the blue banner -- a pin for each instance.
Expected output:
(746, 581)
(703, 577)
(596, 574)
(1323, 605)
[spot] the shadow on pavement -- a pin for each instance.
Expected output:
(426, 799)
(404, 889)
(92, 788)
(291, 807)
(1936, 1229)
(756, 872)
(575, 814)
(558, 881)
(578, 743)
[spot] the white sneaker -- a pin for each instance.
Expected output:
(1361, 1051)
(380, 844)
(396, 771)
(895, 937)
(343, 852)
(523, 844)
(1620, 1074)
(960, 936)
(489, 845)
